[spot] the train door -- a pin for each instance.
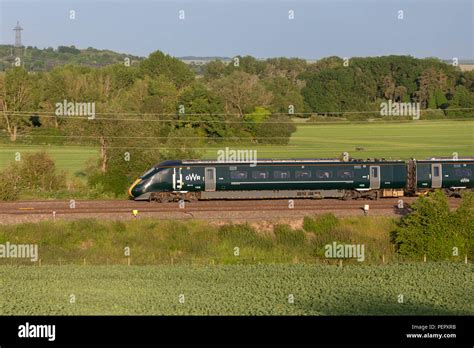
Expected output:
(210, 179)
(436, 175)
(374, 177)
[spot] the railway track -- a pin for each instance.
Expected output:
(63, 207)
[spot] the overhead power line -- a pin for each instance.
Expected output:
(222, 114)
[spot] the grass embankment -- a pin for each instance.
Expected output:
(427, 289)
(198, 242)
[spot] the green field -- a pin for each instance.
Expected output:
(381, 140)
(72, 159)
(431, 288)
(388, 140)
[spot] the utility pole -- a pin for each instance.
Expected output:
(17, 51)
(18, 30)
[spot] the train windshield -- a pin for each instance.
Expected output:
(160, 175)
(148, 172)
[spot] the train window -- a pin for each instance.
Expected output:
(281, 174)
(158, 177)
(260, 174)
(462, 173)
(238, 174)
(436, 171)
(302, 174)
(323, 174)
(375, 172)
(345, 174)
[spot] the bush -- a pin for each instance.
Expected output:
(120, 173)
(432, 114)
(243, 235)
(113, 182)
(285, 235)
(10, 183)
(431, 229)
(276, 130)
(36, 171)
(321, 224)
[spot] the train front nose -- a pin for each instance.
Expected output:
(136, 189)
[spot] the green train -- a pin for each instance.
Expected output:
(302, 178)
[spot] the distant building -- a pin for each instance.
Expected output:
(466, 67)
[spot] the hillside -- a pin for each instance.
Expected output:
(36, 59)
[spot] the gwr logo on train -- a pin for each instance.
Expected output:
(193, 177)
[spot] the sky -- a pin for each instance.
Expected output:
(261, 28)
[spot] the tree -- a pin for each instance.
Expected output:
(247, 64)
(284, 94)
(241, 92)
(430, 80)
(214, 70)
(172, 68)
(431, 229)
(335, 90)
(288, 68)
(462, 99)
(162, 96)
(392, 91)
(17, 94)
(203, 110)
(70, 49)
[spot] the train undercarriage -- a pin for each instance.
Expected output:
(165, 197)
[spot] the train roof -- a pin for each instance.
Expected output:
(172, 163)
(447, 159)
(293, 160)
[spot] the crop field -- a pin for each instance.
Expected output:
(389, 140)
(403, 289)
